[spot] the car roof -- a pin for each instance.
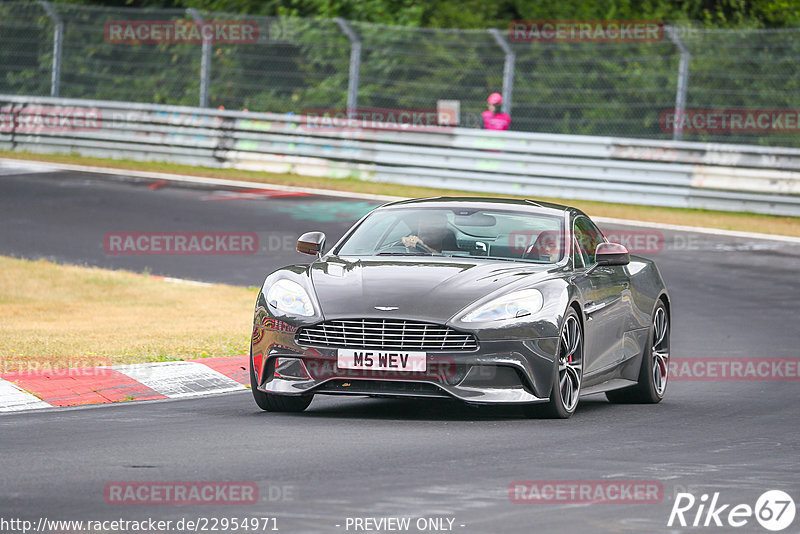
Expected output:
(484, 203)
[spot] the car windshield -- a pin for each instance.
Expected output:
(490, 233)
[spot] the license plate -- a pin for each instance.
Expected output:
(383, 360)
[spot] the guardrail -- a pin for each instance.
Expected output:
(660, 173)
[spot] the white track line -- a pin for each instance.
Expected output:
(187, 282)
(13, 399)
(11, 167)
(368, 196)
(209, 181)
(698, 229)
(180, 379)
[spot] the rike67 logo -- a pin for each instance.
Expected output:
(774, 510)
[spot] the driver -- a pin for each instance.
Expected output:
(432, 234)
(547, 246)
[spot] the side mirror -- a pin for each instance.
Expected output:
(611, 254)
(311, 243)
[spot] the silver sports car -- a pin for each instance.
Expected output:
(489, 301)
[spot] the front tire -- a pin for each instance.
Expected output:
(568, 370)
(270, 402)
(654, 372)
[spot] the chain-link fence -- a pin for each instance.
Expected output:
(621, 89)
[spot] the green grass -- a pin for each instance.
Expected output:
(58, 316)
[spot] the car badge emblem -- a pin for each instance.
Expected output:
(386, 308)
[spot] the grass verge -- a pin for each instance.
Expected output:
(745, 222)
(57, 316)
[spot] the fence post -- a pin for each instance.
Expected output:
(205, 62)
(683, 81)
(508, 69)
(355, 65)
(58, 38)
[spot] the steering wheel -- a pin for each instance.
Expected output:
(399, 243)
(394, 244)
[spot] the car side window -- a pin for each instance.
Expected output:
(577, 255)
(588, 237)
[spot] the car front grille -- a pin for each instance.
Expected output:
(385, 334)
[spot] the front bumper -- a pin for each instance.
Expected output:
(508, 371)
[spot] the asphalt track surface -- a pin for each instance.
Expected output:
(360, 457)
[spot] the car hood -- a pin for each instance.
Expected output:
(420, 288)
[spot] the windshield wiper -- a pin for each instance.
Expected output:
(477, 257)
(522, 260)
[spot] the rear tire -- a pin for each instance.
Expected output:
(568, 373)
(654, 371)
(276, 403)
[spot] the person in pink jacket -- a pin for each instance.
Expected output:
(492, 120)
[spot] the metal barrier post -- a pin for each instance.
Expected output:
(355, 65)
(508, 69)
(683, 81)
(58, 37)
(205, 63)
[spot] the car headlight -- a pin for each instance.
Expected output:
(290, 297)
(511, 306)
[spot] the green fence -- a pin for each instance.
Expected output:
(295, 65)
